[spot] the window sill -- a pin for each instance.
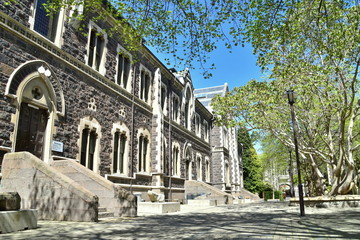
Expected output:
(144, 174)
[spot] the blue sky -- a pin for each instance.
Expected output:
(235, 68)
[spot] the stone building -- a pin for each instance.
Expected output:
(225, 152)
(83, 103)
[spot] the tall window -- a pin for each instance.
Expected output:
(227, 175)
(176, 161)
(187, 109)
(123, 71)
(188, 165)
(197, 125)
(199, 169)
(144, 86)
(119, 161)
(163, 98)
(207, 170)
(88, 147)
(175, 112)
(165, 166)
(225, 138)
(44, 23)
(206, 131)
(96, 49)
(143, 151)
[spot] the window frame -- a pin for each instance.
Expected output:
(143, 160)
(94, 127)
(163, 98)
(121, 129)
(175, 160)
(92, 53)
(199, 170)
(119, 80)
(176, 109)
(145, 95)
(206, 130)
(59, 29)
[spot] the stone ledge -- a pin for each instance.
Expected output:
(341, 201)
(12, 221)
(158, 207)
(202, 202)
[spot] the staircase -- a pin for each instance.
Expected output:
(197, 188)
(103, 213)
(113, 200)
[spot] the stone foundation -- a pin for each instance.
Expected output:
(12, 221)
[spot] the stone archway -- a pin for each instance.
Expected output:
(38, 98)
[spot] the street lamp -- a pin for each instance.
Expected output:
(291, 99)
(291, 174)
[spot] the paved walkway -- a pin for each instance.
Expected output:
(265, 220)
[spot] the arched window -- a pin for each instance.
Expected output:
(123, 74)
(227, 174)
(188, 106)
(165, 162)
(188, 164)
(198, 168)
(96, 48)
(90, 133)
(143, 150)
(120, 153)
(207, 170)
(145, 85)
(176, 159)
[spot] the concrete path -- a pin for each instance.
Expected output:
(264, 220)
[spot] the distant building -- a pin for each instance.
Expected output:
(225, 151)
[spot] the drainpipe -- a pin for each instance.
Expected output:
(132, 130)
(170, 141)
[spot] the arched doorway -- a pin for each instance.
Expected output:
(37, 106)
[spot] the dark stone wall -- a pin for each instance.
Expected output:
(18, 10)
(80, 89)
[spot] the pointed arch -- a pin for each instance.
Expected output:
(46, 73)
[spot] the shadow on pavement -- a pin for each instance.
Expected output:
(253, 221)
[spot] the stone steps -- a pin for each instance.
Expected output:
(103, 213)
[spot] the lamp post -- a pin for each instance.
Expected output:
(291, 174)
(291, 99)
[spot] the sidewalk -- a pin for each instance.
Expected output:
(263, 220)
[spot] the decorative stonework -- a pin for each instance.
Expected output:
(92, 104)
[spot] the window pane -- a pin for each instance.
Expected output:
(126, 71)
(84, 140)
(41, 24)
(92, 47)
(120, 69)
(92, 145)
(144, 153)
(122, 153)
(140, 152)
(99, 50)
(115, 157)
(147, 87)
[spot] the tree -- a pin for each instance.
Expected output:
(187, 30)
(275, 159)
(310, 47)
(252, 167)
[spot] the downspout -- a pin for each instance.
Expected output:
(170, 139)
(132, 129)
